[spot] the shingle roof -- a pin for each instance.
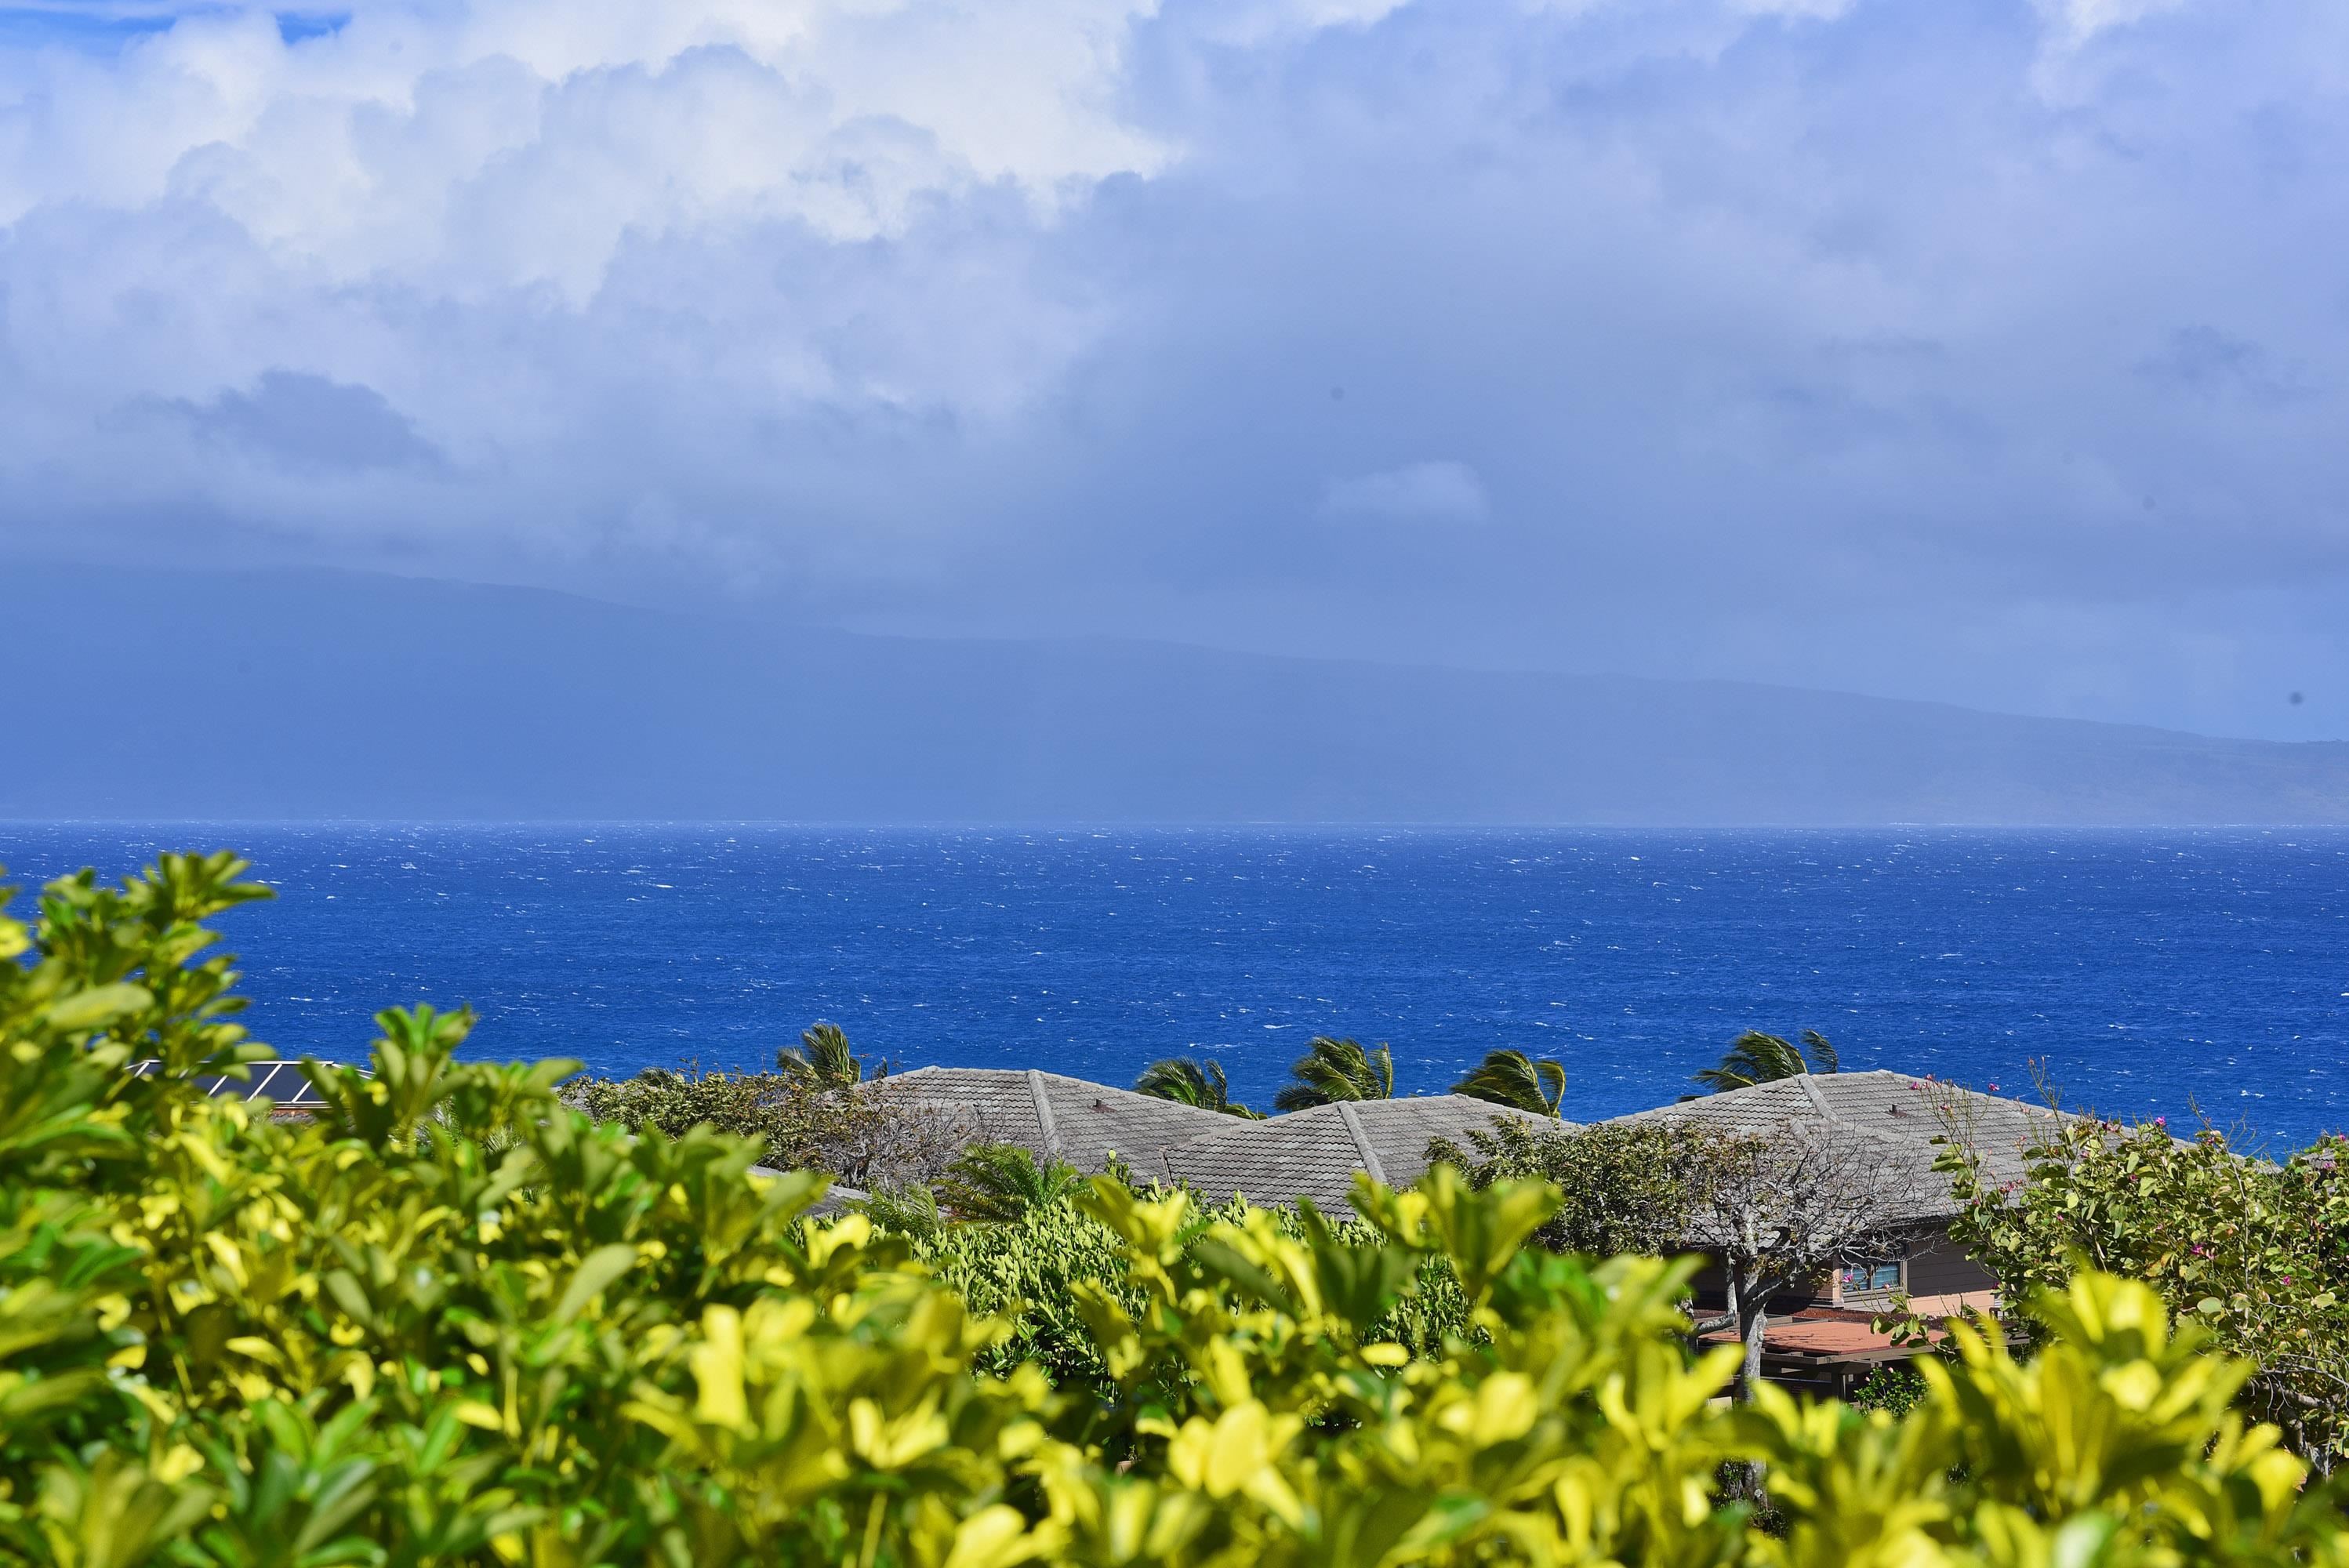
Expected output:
(1399, 1129)
(1056, 1117)
(1306, 1153)
(1915, 1115)
(283, 1084)
(1315, 1153)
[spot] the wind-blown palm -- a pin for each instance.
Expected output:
(1513, 1078)
(1331, 1070)
(1755, 1057)
(823, 1057)
(1002, 1182)
(1188, 1081)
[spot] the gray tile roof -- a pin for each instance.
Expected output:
(1399, 1129)
(1315, 1153)
(1306, 1153)
(1056, 1117)
(1912, 1114)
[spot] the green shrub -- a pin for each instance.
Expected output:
(862, 1133)
(1895, 1390)
(1004, 1181)
(453, 1320)
(2251, 1250)
(1627, 1187)
(1033, 1273)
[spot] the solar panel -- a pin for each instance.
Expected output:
(283, 1084)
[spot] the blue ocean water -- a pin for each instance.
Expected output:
(2142, 973)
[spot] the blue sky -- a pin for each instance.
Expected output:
(1986, 352)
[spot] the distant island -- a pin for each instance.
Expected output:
(303, 695)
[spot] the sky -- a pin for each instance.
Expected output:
(1990, 353)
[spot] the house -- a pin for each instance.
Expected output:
(1827, 1338)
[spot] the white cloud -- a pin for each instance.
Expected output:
(1417, 493)
(931, 308)
(512, 142)
(2076, 21)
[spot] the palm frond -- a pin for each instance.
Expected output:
(1821, 1051)
(822, 1057)
(911, 1211)
(1335, 1070)
(1002, 1182)
(1188, 1081)
(1755, 1057)
(1512, 1079)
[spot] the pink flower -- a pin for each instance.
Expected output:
(1994, 1088)
(2161, 1121)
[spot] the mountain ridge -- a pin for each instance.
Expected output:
(323, 694)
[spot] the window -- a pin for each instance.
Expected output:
(1871, 1278)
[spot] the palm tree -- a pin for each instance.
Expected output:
(1331, 1070)
(1186, 1081)
(822, 1057)
(1512, 1079)
(910, 1211)
(1003, 1182)
(1756, 1057)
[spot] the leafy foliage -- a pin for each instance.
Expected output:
(1335, 1070)
(1513, 1078)
(1755, 1057)
(863, 1134)
(1003, 1182)
(2253, 1251)
(1625, 1187)
(1896, 1388)
(453, 1320)
(1188, 1081)
(1032, 1271)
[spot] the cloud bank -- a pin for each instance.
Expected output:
(1990, 353)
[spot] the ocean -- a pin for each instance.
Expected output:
(2178, 973)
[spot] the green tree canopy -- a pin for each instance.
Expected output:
(1335, 1070)
(1512, 1079)
(1188, 1081)
(1755, 1057)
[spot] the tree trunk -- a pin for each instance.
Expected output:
(1752, 1324)
(1749, 1303)
(1751, 1306)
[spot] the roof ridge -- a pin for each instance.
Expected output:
(1353, 1120)
(1043, 1103)
(1811, 1092)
